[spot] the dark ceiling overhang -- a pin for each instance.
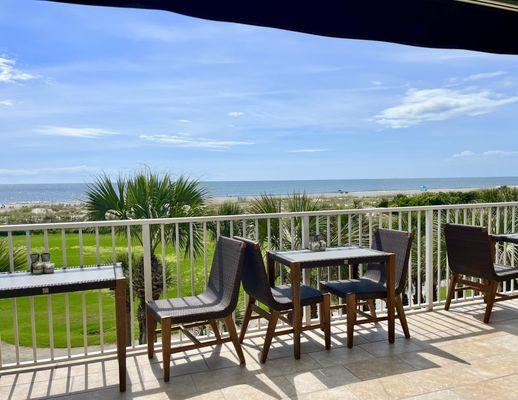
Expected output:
(488, 26)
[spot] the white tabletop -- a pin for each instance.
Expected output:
(330, 254)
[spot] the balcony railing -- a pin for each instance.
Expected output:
(171, 257)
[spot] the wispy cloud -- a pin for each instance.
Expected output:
(235, 113)
(6, 103)
(464, 153)
(183, 140)
(426, 105)
(485, 75)
(88, 133)
(79, 169)
(10, 74)
(184, 121)
(313, 150)
(488, 153)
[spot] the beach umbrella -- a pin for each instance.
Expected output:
(481, 25)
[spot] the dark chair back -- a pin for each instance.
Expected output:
(469, 251)
(225, 273)
(255, 280)
(391, 241)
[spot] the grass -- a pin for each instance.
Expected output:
(91, 297)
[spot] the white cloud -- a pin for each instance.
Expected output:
(183, 140)
(88, 133)
(235, 113)
(484, 75)
(9, 74)
(184, 121)
(6, 103)
(48, 170)
(499, 153)
(464, 153)
(307, 150)
(426, 105)
(488, 153)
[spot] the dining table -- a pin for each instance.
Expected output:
(298, 260)
(74, 279)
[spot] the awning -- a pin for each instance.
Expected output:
(489, 26)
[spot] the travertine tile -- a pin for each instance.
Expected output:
(321, 379)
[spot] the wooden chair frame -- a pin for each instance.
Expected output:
(167, 328)
(353, 309)
(274, 316)
(488, 287)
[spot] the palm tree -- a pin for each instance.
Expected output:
(148, 195)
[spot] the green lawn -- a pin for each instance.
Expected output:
(91, 297)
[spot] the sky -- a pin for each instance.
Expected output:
(90, 90)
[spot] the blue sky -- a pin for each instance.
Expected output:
(91, 89)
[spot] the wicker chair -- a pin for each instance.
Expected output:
(471, 252)
(277, 299)
(218, 301)
(372, 285)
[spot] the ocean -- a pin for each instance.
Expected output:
(72, 192)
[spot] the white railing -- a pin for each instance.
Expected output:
(173, 258)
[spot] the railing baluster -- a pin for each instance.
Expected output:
(16, 332)
(97, 249)
(419, 288)
(114, 256)
(163, 251)
(409, 285)
(205, 271)
(178, 261)
(439, 259)
(31, 303)
(130, 285)
(191, 258)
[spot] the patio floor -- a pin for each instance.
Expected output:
(451, 355)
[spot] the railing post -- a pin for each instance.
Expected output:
(429, 258)
(146, 244)
(306, 273)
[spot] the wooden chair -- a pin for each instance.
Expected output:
(217, 302)
(471, 253)
(357, 293)
(278, 299)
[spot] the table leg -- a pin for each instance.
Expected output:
(271, 270)
(353, 271)
(391, 296)
(120, 315)
(297, 309)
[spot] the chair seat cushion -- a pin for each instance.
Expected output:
(283, 297)
(505, 272)
(188, 309)
(363, 288)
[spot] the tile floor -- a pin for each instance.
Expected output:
(451, 355)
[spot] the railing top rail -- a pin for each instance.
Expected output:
(215, 218)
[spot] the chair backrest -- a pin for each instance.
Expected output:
(391, 241)
(254, 278)
(469, 251)
(225, 273)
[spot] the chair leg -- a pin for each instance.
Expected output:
(270, 331)
(166, 347)
(372, 308)
(150, 328)
(493, 287)
(231, 328)
(246, 319)
(215, 329)
(402, 316)
(350, 300)
(451, 290)
(325, 319)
